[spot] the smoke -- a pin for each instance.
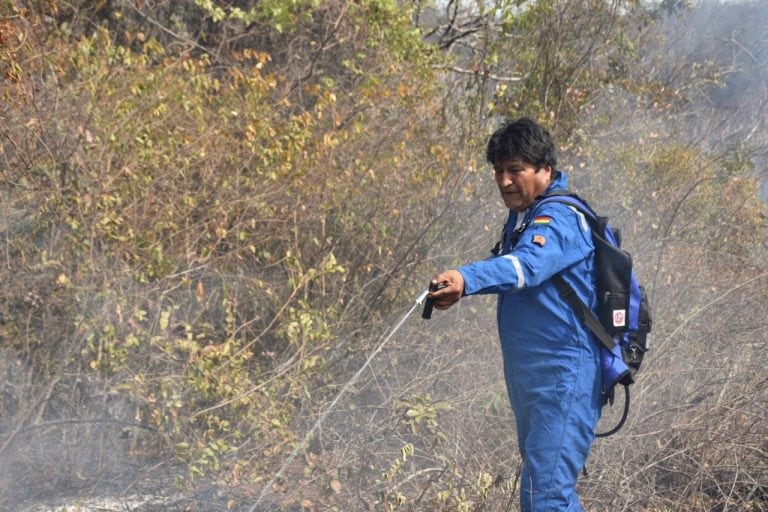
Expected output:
(85, 448)
(726, 44)
(713, 61)
(432, 407)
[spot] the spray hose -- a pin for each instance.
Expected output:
(305, 442)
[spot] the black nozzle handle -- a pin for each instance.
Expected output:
(430, 303)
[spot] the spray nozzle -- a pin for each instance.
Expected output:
(429, 303)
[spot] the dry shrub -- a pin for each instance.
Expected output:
(207, 236)
(196, 232)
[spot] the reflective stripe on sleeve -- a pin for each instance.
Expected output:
(518, 269)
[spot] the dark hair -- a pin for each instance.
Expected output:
(523, 138)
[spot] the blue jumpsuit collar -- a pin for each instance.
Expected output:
(518, 220)
(559, 181)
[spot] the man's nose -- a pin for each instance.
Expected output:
(505, 179)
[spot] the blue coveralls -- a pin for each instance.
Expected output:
(551, 360)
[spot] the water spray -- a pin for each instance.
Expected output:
(426, 313)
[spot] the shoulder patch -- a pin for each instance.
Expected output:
(539, 240)
(542, 219)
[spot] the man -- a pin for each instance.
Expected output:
(551, 360)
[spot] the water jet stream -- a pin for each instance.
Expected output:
(418, 302)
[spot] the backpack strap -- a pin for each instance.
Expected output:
(568, 294)
(566, 291)
(511, 236)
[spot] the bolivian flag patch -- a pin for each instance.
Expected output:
(541, 220)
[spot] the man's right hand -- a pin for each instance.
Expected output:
(452, 290)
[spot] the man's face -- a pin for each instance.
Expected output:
(519, 183)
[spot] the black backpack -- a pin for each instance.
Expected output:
(623, 319)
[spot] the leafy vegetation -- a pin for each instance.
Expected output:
(212, 211)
